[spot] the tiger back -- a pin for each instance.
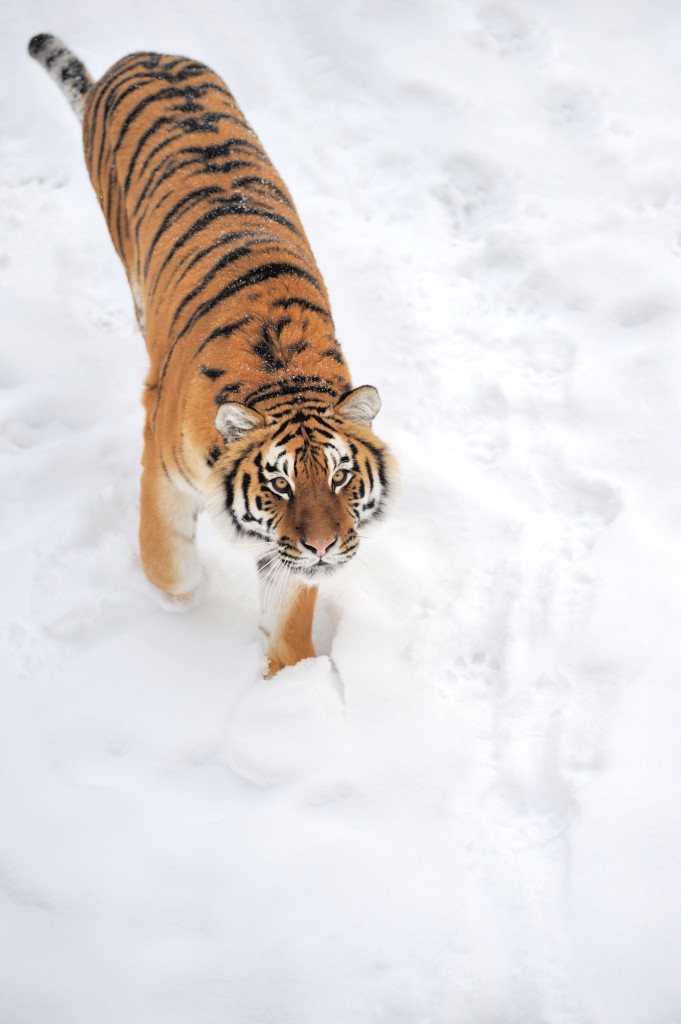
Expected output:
(249, 406)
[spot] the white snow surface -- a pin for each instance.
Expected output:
(466, 810)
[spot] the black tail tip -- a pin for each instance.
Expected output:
(38, 43)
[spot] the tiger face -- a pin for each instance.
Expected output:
(304, 480)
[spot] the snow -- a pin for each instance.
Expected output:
(466, 810)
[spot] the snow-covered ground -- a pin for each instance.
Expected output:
(475, 817)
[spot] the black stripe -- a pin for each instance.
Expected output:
(380, 462)
(55, 55)
(154, 75)
(333, 353)
(213, 168)
(167, 141)
(223, 149)
(296, 348)
(170, 93)
(158, 123)
(121, 224)
(227, 168)
(111, 192)
(76, 72)
(140, 81)
(325, 433)
(245, 484)
(151, 185)
(300, 382)
(303, 303)
(228, 392)
(209, 121)
(284, 440)
(157, 149)
(233, 236)
(107, 96)
(222, 332)
(213, 456)
(175, 168)
(155, 178)
(266, 272)
(192, 258)
(266, 186)
(281, 392)
(210, 373)
(229, 498)
(178, 210)
(231, 207)
(229, 257)
(182, 471)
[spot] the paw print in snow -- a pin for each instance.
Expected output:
(475, 670)
(510, 35)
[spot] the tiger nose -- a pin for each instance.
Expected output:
(320, 547)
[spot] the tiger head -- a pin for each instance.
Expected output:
(304, 479)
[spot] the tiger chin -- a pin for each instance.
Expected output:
(250, 410)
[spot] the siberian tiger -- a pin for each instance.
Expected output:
(249, 407)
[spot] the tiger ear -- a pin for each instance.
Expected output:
(233, 420)
(361, 405)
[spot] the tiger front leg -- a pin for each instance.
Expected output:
(167, 533)
(288, 611)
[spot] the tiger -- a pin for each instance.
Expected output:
(250, 413)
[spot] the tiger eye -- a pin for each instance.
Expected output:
(280, 483)
(339, 477)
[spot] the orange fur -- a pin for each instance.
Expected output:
(293, 640)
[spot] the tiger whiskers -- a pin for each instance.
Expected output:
(249, 578)
(362, 584)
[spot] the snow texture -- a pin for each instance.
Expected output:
(466, 810)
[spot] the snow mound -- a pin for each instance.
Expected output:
(282, 729)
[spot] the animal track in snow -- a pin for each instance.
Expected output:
(81, 590)
(575, 106)
(585, 504)
(544, 354)
(25, 432)
(476, 195)
(502, 29)
(637, 311)
(25, 649)
(530, 790)
(20, 893)
(477, 669)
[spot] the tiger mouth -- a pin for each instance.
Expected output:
(316, 569)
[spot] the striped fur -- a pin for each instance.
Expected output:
(249, 407)
(69, 73)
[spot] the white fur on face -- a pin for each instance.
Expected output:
(338, 455)
(278, 462)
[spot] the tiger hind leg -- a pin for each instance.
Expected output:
(167, 533)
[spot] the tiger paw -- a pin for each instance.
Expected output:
(179, 602)
(274, 665)
(281, 656)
